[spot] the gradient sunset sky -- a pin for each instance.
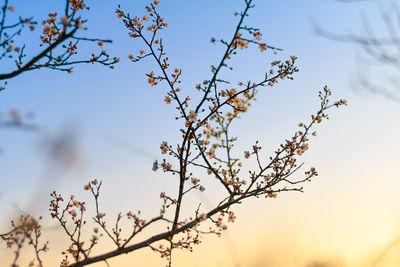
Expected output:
(114, 123)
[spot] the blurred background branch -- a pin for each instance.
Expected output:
(380, 46)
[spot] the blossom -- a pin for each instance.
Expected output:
(166, 166)
(202, 217)
(65, 20)
(313, 171)
(49, 30)
(155, 166)
(242, 43)
(152, 81)
(164, 147)
(211, 153)
(195, 181)
(231, 217)
(237, 101)
(302, 149)
(137, 22)
(73, 213)
(120, 14)
(15, 115)
(167, 100)
(341, 102)
(79, 23)
(191, 117)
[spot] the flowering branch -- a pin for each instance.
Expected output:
(206, 144)
(55, 34)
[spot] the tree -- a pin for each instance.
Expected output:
(379, 46)
(206, 147)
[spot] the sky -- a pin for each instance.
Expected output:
(111, 123)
